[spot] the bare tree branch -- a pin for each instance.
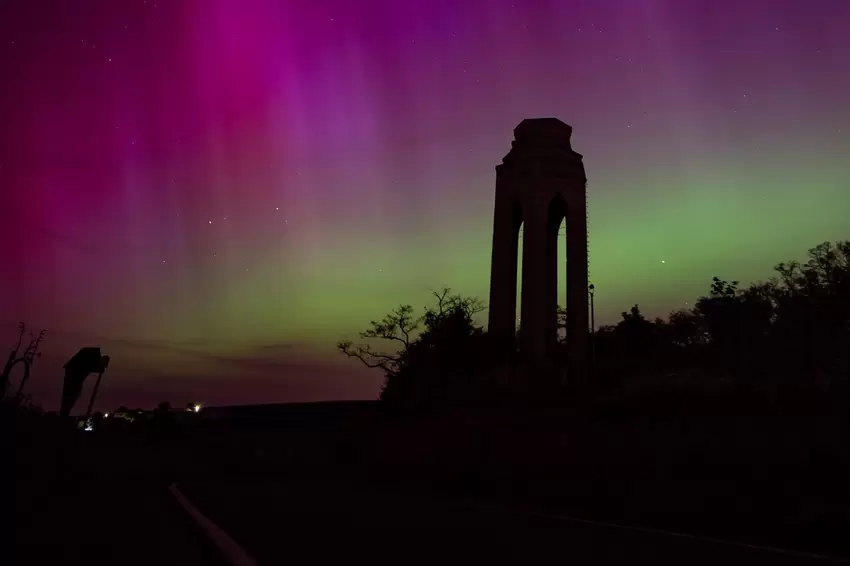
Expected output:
(441, 299)
(398, 327)
(21, 329)
(370, 358)
(32, 351)
(447, 302)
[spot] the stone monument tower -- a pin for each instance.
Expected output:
(540, 182)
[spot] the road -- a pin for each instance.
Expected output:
(279, 522)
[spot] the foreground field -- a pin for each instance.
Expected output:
(321, 522)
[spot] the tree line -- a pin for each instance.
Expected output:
(791, 329)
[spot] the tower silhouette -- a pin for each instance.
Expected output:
(540, 182)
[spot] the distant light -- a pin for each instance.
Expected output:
(197, 408)
(105, 415)
(662, 261)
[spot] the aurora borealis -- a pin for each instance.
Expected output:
(215, 191)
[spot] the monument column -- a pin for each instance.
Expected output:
(503, 281)
(535, 287)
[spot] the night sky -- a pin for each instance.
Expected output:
(216, 191)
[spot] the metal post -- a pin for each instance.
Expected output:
(93, 395)
(591, 288)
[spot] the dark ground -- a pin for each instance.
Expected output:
(289, 489)
(122, 523)
(319, 522)
(303, 522)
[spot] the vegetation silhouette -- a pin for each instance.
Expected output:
(792, 330)
(438, 355)
(27, 358)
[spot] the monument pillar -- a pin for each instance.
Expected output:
(535, 299)
(539, 183)
(503, 286)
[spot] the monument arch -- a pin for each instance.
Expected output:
(540, 182)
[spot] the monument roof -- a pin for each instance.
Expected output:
(537, 129)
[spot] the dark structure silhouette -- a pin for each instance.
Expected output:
(539, 183)
(87, 360)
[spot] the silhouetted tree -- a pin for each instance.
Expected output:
(685, 329)
(812, 311)
(721, 315)
(27, 358)
(635, 332)
(434, 355)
